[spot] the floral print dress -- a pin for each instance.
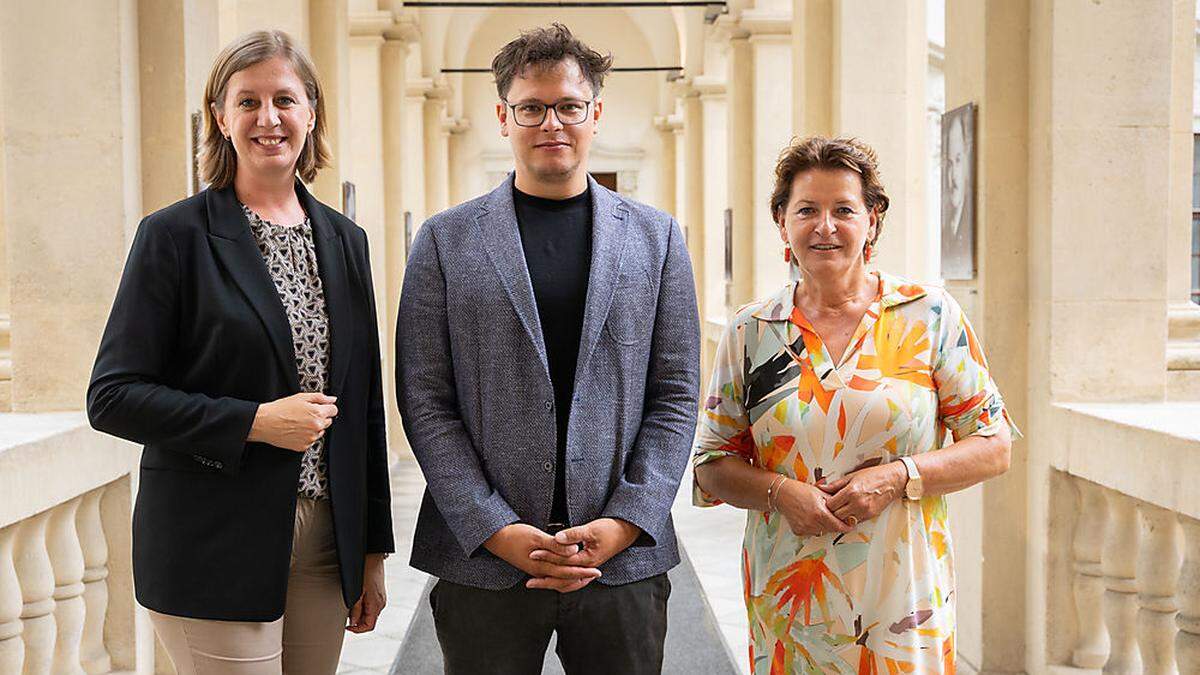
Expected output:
(879, 598)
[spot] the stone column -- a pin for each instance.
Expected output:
(414, 134)
(771, 46)
(329, 25)
(366, 137)
(437, 149)
(1103, 100)
(1182, 37)
(703, 228)
(456, 128)
(812, 67)
(5, 304)
(881, 100)
(396, 165)
(668, 128)
(740, 142)
(177, 40)
(714, 199)
(61, 283)
(987, 62)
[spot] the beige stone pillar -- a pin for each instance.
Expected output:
(63, 171)
(703, 228)
(437, 149)
(457, 147)
(1179, 227)
(5, 304)
(880, 84)
(714, 188)
(329, 39)
(986, 62)
(771, 47)
(372, 74)
(812, 67)
(669, 129)
(679, 171)
(396, 164)
(177, 41)
(740, 141)
(414, 134)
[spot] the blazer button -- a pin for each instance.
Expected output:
(548, 466)
(218, 464)
(549, 405)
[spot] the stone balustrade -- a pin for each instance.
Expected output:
(66, 587)
(1134, 558)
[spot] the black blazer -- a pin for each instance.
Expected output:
(197, 338)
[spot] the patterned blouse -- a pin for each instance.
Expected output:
(292, 261)
(879, 598)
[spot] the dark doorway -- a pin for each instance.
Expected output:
(608, 180)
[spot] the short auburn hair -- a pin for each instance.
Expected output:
(218, 161)
(819, 152)
(544, 48)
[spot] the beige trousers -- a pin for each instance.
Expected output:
(306, 640)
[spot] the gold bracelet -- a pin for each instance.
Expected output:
(771, 491)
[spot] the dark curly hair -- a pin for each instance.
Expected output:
(546, 47)
(819, 152)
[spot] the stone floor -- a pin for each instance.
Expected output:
(712, 538)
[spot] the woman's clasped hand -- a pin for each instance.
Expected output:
(294, 422)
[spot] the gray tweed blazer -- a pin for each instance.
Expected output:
(477, 403)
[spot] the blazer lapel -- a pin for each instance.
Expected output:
(608, 249)
(331, 264)
(497, 223)
(230, 237)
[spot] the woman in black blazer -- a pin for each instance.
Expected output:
(242, 351)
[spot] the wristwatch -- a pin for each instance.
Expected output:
(914, 489)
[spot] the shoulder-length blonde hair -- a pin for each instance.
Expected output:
(218, 161)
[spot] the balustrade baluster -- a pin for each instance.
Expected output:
(93, 653)
(1120, 583)
(1157, 574)
(1187, 641)
(1091, 644)
(36, 577)
(12, 649)
(66, 557)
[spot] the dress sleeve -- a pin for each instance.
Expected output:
(969, 404)
(724, 428)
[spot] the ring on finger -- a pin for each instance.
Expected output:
(852, 520)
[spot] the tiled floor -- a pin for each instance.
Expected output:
(711, 537)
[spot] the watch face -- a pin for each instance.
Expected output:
(914, 489)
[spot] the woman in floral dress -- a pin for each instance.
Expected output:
(825, 419)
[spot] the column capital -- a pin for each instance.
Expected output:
(763, 23)
(419, 87)
(709, 86)
(682, 88)
(439, 89)
(456, 125)
(370, 24)
(669, 123)
(404, 29)
(728, 27)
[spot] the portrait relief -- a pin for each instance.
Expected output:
(958, 193)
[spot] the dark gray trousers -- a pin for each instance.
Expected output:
(601, 629)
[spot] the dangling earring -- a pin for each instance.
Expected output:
(787, 254)
(867, 251)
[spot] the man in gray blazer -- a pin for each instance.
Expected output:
(547, 370)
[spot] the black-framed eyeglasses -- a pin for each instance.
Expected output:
(533, 113)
